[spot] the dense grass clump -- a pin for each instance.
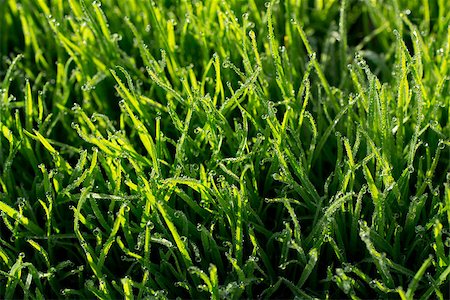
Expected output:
(224, 149)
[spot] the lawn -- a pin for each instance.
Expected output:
(225, 149)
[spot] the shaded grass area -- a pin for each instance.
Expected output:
(224, 149)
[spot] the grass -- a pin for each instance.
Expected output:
(224, 149)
